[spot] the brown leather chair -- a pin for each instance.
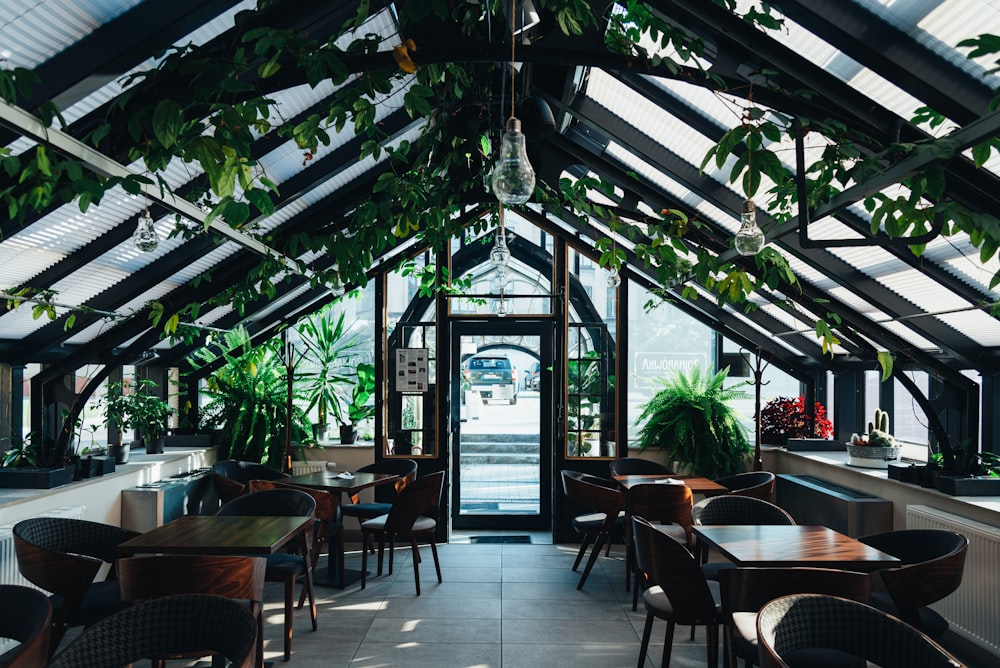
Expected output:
(605, 502)
(165, 626)
(675, 589)
(413, 514)
(241, 578)
(758, 484)
(933, 564)
(25, 616)
(746, 590)
(281, 567)
(406, 469)
(64, 556)
(802, 629)
(669, 505)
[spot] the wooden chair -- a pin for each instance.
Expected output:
(676, 591)
(406, 469)
(746, 590)
(328, 522)
(64, 557)
(668, 505)
(231, 477)
(605, 501)
(637, 466)
(805, 629)
(412, 514)
(25, 616)
(734, 509)
(284, 568)
(164, 627)
(758, 484)
(241, 578)
(933, 564)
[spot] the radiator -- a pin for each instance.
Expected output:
(8, 558)
(974, 608)
(812, 500)
(301, 468)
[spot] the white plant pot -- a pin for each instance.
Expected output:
(868, 457)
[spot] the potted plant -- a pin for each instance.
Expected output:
(692, 421)
(136, 406)
(358, 410)
(975, 474)
(875, 449)
(785, 421)
(327, 346)
(19, 466)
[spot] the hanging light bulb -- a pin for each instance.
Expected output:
(502, 307)
(144, 237)
(750, 238)
(336, 287)
(500, 254)
(513, 178)
(614, 278)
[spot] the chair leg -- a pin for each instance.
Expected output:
(587, 539)
(712, 640)
(629, 556)
(668, 644)
(434, 553)
(381, 552)
(644, 647)
(594, 553)
(635, 590)
(289, 595)
(416, 562)
(392, 550)
(364, 564)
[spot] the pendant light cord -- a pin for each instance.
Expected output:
(512, 3)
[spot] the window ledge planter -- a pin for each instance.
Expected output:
(34, 478)
(968, 485)
(871, 457)
(811, 445)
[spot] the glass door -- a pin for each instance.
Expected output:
(501, 391)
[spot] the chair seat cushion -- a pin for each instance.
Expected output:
(366, 510)
(281, 566)
(101, 600)
(656, 602)
(378, 524)
(592, 522)
(933, 624)
(822, 657)
(745, 625)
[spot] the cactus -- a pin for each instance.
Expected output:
(878, 431)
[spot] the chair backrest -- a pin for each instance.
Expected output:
(661, 503)
(64, 556)
(637, 466)
(734, 509)
(328, 520)
(163, 627)
(406, 469)
(933, 565)
(278, 502)
(142, 578)
(800, 622)
(231, 477)
(25, 616)
(666, 563)
(420, 498)
(748, 589)
(758, 484)
(593, 493)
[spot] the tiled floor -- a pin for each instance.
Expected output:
(500, 605)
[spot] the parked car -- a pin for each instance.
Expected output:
(533, 377)
(493, 377)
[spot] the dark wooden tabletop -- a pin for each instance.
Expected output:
(797, 545)
(328, 480)
(214, 534)
(697, 484)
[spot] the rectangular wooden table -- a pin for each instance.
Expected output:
(329, 481)
(796, 545)
(214, 534)
(697, 484)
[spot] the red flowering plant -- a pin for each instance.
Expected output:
(782, 418)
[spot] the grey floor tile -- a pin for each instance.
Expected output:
(578, 656)
(579, 609)
(405, 589)
(420, 655)
(567, 631)
(427, 630)
(471, 607)
(559, 591)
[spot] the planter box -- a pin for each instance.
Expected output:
(968, 486)
(190, 441)
(96, 465)
(912, 473)
(812, 445)
(34, 478)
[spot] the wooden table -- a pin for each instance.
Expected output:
(328, 480)
(697, 484)
(797, 545)
(214, 534)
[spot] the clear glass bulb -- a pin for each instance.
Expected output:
(614, 278)
(336, 287)
(144, 237)
(502, 308)
(500, 254)
(499, 283)
(513, 178)
(750, 238)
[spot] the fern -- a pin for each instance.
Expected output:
(691, 420)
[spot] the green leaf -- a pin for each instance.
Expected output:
(168, 118)
(885, 362)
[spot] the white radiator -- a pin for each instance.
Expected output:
(974, 608)
(301, 468)
(8, 558)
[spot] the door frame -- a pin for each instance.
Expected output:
(544, 329)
